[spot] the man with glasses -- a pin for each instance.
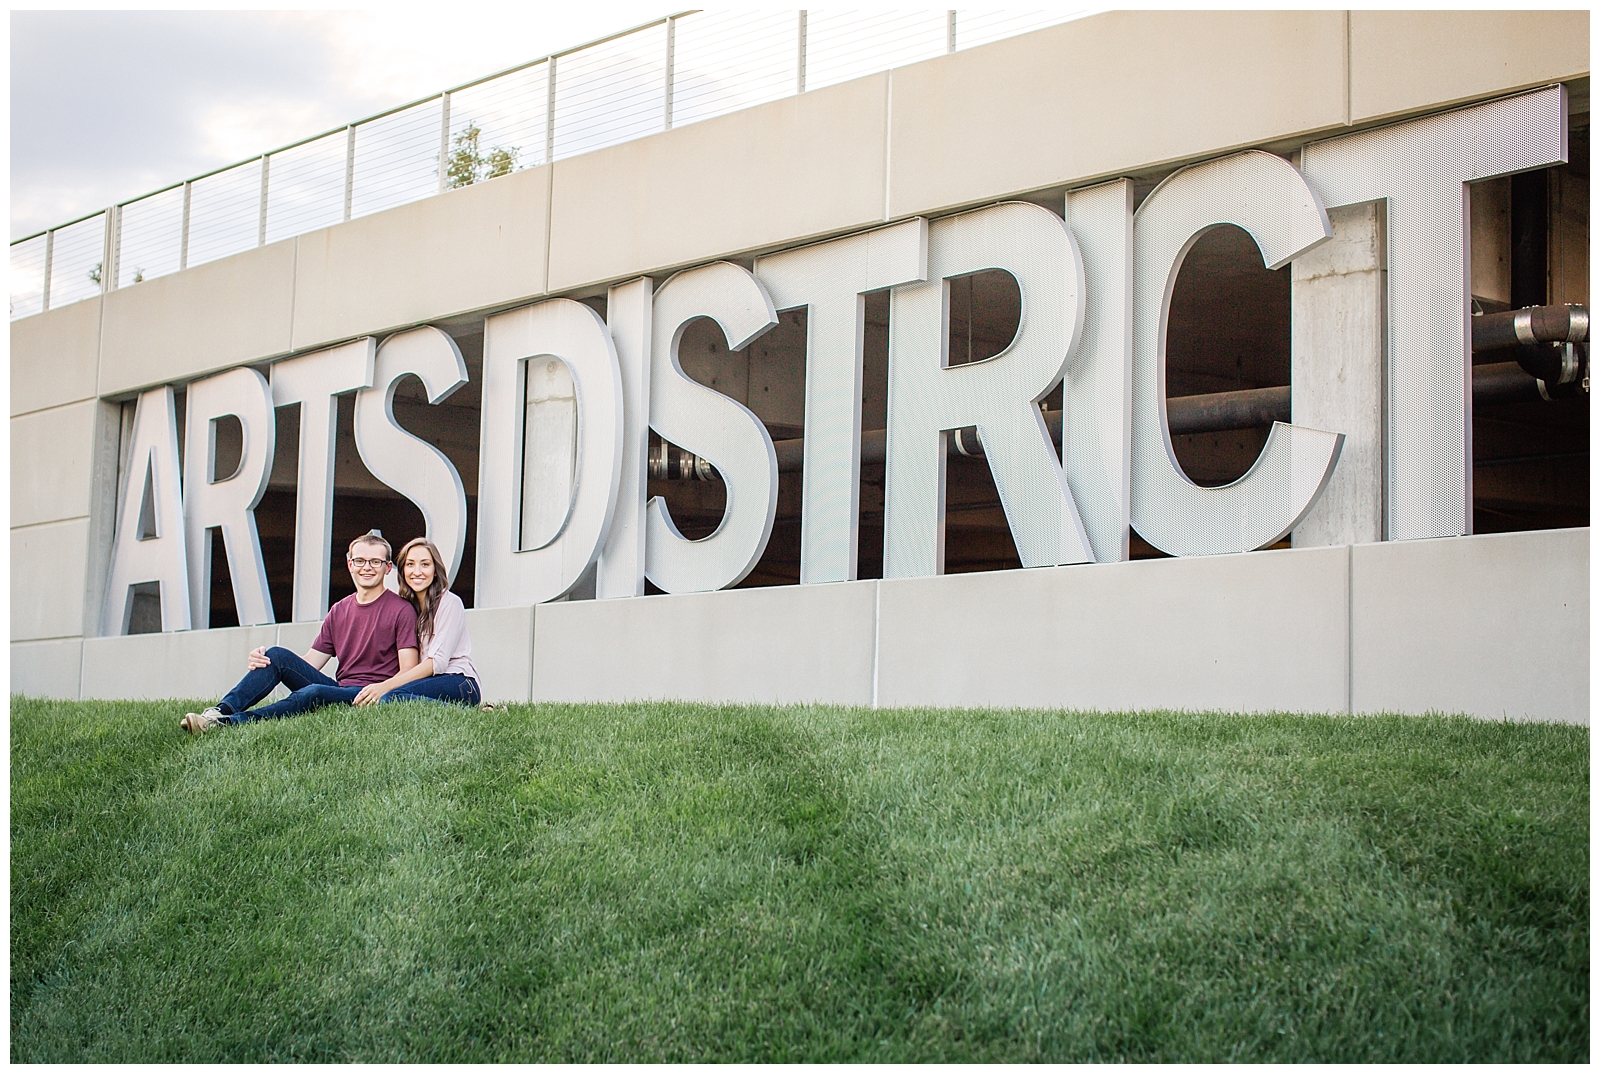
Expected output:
(373, 632)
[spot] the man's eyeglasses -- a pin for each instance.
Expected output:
(360, 563)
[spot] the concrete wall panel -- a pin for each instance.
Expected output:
(200, 320)
(297, 636)
(46, 668)
(1255, 632)
(52, 456)
(1108, 95)
(502, 651)
(483, 245)
(55, 357)
(1495, 625)
(207, 663)
(774, 174)
(47, 580)
(1407, 61)
(784, 644)
(188, 664)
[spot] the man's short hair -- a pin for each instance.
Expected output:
(371, 538)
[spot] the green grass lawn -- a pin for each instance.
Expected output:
(674, 881)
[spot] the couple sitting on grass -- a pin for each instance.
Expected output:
(375, 636)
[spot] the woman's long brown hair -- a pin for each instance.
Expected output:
(426, 602)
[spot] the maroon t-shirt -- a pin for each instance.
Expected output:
(367, 638)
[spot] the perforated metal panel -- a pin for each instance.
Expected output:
(1268, 198)
(718, 429)
(227, 501)
(829, 279)
(620, 569)
(412, 467)
(509, 574)
(315, 381)
(152, 469)
(1420, 167)
(999, 395)
(1099, 384)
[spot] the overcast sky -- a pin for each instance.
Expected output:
(106, 105)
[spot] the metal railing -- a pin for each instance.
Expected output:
(676, 70)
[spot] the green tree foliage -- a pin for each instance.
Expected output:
(138, 273)
(468, 163)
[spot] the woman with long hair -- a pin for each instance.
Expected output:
(444, 672)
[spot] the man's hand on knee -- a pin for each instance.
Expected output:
(258, 658)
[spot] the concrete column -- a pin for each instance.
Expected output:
(1337, 360)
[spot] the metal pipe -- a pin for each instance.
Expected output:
(550, 111)
(444, 142)
(1252, 408)
(1219, 412)
(261, 223)
(669, 462)
(49, 266)
(800, 55)
(109, 251)
(672, 44)
(349, 169)
(1524, 327)
(183, 236)
(1502, 382)
(1224, 411)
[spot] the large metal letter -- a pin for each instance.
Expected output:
(831, 279)
(718, 429)
(620, 569)
(411, 466)
(509, 572)
(1268, 198)
(1099, 392)
(158, 556)
(1000, 395)
(315, 381)
(1420, 167)
(228, 501)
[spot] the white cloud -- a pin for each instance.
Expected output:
(401, 54)
(106, 105)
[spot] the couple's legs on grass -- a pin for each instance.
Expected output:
(461, 689)
(311, 690)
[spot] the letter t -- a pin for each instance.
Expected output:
(314, 380)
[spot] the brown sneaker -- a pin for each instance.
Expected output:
(198, 723)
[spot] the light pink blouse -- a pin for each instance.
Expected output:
(449, 647)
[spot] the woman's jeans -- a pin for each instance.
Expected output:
(461, 689)
(312, 690)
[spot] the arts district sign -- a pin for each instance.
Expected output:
(1094, 286)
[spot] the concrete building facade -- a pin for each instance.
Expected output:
(1343, 615)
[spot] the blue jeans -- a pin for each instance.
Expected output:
(312, 690)
(461, 689)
